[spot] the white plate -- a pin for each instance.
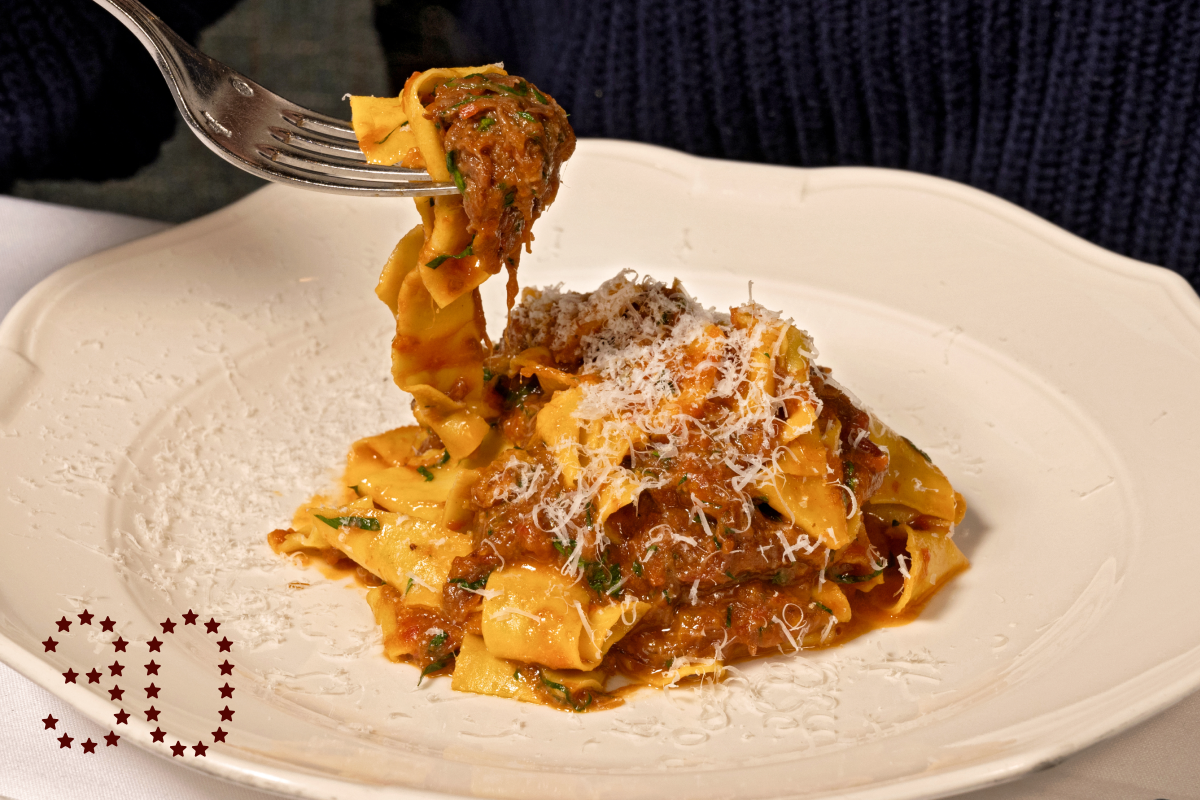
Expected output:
(168, 403)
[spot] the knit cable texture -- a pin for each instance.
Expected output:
(1085, 112)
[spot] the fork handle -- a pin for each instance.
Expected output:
(180, 63)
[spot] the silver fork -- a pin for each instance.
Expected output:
(259, 131)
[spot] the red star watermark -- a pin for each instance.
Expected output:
(95, 675)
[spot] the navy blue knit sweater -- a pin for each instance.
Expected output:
(71, 77)
(1086, 112)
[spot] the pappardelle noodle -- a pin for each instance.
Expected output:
(628, 487)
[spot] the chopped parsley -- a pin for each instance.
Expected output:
(779, 578)
(601, 576)
(425, 473)
(484, 124)
(637, 569)
(362, 523)
(439, 260)
(563, 695)
(455, 174)
(487, 374)
(474, 585)
(823, 607)
(566, 549)
(510, 197)
(434, 667)
(437, 641)
(389, 133)
(525, 115)
(682, 480)
(728, 616)
(541, 98)
(408, 586)
(845, 578)
(356, 491)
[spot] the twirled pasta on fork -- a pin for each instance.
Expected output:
(628, 483)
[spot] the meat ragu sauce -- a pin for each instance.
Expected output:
(505, 143)
(722, 583)
(629, 483)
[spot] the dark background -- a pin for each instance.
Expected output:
(1085, 112)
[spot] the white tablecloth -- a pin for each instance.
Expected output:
(1157, 759)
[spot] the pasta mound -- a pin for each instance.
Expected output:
(628, 484)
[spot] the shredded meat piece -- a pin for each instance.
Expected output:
(505, 142)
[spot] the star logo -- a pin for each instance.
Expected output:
(116, 669)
